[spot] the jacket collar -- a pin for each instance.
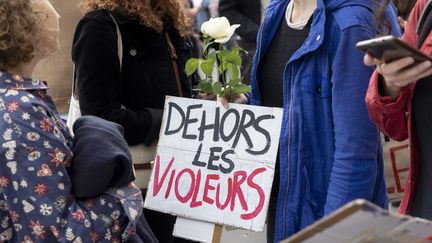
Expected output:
(276, 13)
(123, 18)
(16, 82)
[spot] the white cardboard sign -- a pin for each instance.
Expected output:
(215, 164)
(362, 221)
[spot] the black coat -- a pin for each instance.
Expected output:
(247, 13)
(133, 97)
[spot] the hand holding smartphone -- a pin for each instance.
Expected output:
(390, 48)
(394, 66)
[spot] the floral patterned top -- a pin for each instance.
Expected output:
(36, 204)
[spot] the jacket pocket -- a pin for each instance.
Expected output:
(317, 110)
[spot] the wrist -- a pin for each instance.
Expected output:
(387, 89)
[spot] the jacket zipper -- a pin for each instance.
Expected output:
(289, 151)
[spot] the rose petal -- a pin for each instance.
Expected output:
(217, 28)
(224, 22)
(204, 28)
(230, 30)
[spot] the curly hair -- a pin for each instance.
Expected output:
(18, 26)
(150, 15)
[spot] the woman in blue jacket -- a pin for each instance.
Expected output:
(330, 151)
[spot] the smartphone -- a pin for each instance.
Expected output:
(390, 48)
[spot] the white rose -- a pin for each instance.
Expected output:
(219, 29)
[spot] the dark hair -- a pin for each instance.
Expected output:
(384, 26)
(404, 7)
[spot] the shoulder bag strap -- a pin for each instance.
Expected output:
(119, 53)
(174, 57)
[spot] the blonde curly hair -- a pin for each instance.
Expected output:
(19, 24)
(150, 14)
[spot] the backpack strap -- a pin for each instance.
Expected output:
(424, 25)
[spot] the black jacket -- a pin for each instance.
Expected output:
(247, 13)
(133, 97)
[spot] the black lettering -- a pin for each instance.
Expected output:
(172, 105)
(228, 137)
(190, 121)
(213, 158)
(263, 132)
(196, 161)
(242, 128)
(228, 161)
(214, 126)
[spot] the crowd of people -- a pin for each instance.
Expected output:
(130, 54)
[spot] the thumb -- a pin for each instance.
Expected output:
(370, 61)
(223, 101)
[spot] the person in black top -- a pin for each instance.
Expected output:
(131, 91)
(247, 13)
(287, 41)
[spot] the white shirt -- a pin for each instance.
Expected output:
(298, 25)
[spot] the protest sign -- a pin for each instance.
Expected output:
(215, 164)
(363, 221)
(396, 167)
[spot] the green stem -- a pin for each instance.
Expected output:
(222, 68)
(204, 51)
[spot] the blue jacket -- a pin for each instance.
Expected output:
(330, 151)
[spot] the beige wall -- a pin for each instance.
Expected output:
(57, 68)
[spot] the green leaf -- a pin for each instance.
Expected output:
(207, 67)
(241, 89)
(217, 87)
(211, 55)
(234, 58)
(233, 71)
(205, 86)
(222, 54)
(236, 49)
(227, 92)
(191, 66)
(234, 82)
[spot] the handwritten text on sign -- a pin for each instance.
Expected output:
(215, 164)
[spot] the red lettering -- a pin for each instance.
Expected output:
(260, 191)
(191, 193)
(238, 191)
(168, 191)
(208, 187)
(191, 189)
(194, 202)
(229, 193)
(157, 185)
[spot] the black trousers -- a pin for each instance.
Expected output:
(271, 213)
